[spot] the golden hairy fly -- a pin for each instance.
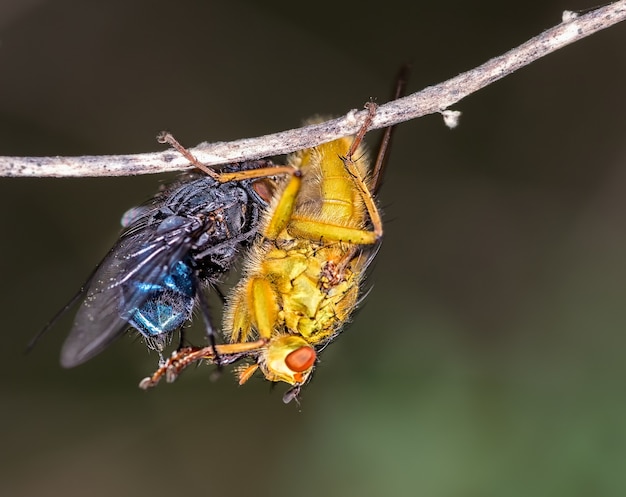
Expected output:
(302, 279)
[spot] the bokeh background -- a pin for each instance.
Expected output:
(489, 357)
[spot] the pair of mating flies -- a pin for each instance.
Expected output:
(307, 231)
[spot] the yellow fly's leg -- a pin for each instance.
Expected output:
(255, 307)
(181, 359)
(317, 230)
(262, 172)
(348, 161)
(284, 208)
(245, 373)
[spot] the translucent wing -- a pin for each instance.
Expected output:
(145, 253)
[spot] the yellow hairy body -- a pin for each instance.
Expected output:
(302, 278)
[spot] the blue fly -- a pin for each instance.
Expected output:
(173, 248)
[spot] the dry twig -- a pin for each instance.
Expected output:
(428, 101)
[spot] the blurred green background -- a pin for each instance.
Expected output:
(489, 358)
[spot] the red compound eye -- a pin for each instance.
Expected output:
(264, 189)
(301, 359)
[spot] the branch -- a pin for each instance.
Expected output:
(428, 101)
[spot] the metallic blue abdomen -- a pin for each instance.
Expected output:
(169, 303)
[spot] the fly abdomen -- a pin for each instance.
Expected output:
(168, 303)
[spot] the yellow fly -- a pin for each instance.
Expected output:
(302, 278)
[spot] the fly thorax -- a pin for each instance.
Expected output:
(235, 218)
